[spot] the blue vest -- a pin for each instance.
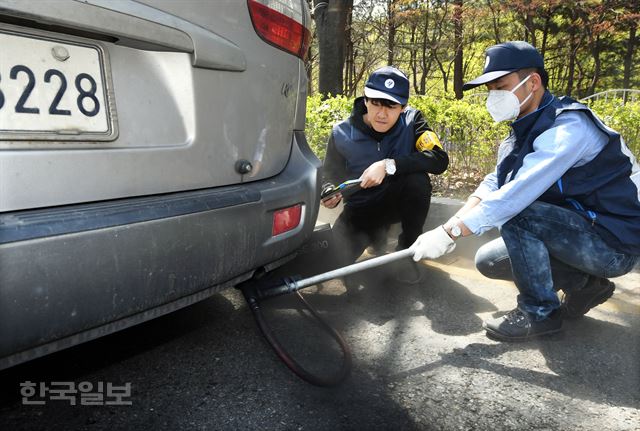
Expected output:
(361, 150)
(601, 191)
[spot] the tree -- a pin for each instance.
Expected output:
(330, 17)
(627, 21)
(365, 49)
(588, 45)
(457, 61)
(392, 25)
(628, 57)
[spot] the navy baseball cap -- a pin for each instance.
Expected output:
(388, 83)
(504, 58)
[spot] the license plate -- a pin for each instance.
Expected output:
(53, 89)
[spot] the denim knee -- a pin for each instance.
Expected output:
(492, 261)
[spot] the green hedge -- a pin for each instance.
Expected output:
(321, 116)
(625, 119)
(465, 128)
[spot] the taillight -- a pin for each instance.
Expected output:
(286, 219)
(281, 23)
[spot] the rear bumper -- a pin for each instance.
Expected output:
(71, 274)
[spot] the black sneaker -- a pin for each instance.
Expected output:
(517, 325)
(597, 290)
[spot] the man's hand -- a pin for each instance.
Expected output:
(373, 175)
(331, 202)
(432, 244)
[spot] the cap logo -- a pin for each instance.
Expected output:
(486, 62)
(389, 83)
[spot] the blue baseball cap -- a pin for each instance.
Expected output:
(504, 58)
(388, 83)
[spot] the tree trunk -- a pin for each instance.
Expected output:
(496, 23)
(331, 20)
(530, 26)
(628, 56)
(545, 35)
(572, 60)
(349, 60)
(457, 61)
(425, 68)
(445, 75)
(595, 52)
(391, 30)
(413, 60)
(434, 43)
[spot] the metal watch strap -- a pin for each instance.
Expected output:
(389, 166)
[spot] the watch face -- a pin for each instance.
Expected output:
(389, 167)
(456, 231)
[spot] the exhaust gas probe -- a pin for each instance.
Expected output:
(254, 291)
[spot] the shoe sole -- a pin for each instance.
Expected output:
(501, 337)
(594, 303)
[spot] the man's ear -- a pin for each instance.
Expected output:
(536, 81)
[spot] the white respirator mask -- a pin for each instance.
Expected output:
(503, 105)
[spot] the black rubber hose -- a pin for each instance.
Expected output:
(289, 361)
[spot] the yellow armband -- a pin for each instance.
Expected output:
(427, 141)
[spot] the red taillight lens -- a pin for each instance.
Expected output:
(286, 219)
(279, 29)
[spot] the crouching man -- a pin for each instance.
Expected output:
(565, 194)
(391, 149)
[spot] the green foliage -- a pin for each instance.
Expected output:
(466, 130)
(322, 114)
(624, 119)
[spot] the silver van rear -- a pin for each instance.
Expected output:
(151, 154)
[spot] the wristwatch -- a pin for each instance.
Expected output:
(390, 166)
(456, 232)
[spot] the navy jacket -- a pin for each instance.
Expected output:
(353, 147)
(603, 190)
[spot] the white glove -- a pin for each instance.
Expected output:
(432, 244)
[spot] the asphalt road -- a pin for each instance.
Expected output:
(420, 361)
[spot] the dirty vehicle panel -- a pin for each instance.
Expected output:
(145, 149)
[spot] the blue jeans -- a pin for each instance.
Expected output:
(547, 248)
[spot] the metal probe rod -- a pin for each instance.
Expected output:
(353, 268)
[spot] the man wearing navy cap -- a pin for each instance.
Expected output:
(391, 149)
(565, 195)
